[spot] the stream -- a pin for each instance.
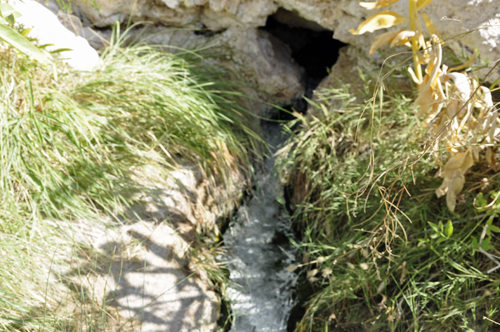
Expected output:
(258, 251)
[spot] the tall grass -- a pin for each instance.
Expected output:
(68, 142)
(364, 197)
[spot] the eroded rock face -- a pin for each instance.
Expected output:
(465, 24)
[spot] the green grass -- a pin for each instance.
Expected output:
(68, 142)
(364, 194)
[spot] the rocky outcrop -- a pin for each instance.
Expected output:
(146, 278)
(150, 270)
(464, 24)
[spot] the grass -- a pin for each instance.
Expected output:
(363, 195)
(68, 143)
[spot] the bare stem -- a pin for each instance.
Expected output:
(414, 41)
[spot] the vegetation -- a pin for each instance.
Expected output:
(380, 251)
(68, 142)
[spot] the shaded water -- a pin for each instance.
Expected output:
(258, 251)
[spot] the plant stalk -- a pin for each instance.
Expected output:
(414, 41)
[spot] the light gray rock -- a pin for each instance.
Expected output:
(147, 277)
(465, 24)
(47, 29)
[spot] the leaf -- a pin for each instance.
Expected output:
(475, 243)
(11, 19)
(441, 239)
(491, 227)
(448, 230)
(434, 226)
(381, 40)
(430, 26)
(7, 10)
(485, 245)
(15, 39)
(421, 4)
(394, 38)
(382, 20)
(25, 32)
(403, 38)
(377, 4)
(458, 266)
(480, 201)
(60, 50)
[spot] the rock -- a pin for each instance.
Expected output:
(261, 59)
(145, 275)
(47, 29)
(465, 24)
(185, 198)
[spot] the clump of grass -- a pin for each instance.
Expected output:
(67, 144)
(364, 196)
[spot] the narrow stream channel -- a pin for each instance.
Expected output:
(258, 251)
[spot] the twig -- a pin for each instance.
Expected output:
(491, 320)
(490, 256)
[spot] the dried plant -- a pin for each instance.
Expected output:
(457, 110)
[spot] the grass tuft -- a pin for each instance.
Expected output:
(68, 144)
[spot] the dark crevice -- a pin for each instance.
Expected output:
(312, 47)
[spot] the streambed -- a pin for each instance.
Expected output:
(258, 252)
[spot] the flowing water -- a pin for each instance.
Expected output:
(258, 251)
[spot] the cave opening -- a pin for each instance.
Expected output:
(312, 46)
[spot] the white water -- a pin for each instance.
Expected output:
(260, 290)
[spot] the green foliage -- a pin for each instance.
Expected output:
(382, 252)
(18, 40)
(68, 144)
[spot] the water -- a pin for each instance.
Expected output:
(260, 290)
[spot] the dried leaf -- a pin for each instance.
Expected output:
(430, 26)
(490, 156)
(326, 272)
(454, 179)
(402, 38)
(421, 4)
(459, 161)
(461, 84)
(455, 187)
(382, 20)
(377, 4)
(312, 273)
(382, 39)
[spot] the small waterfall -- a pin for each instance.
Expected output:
(258, 251)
